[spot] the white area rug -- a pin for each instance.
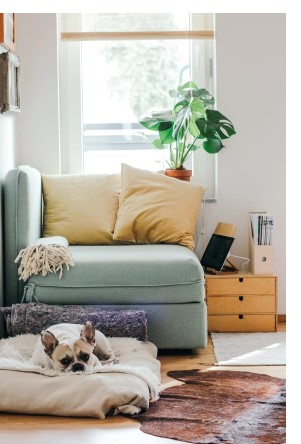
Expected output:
(249, 348)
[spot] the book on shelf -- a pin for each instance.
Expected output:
(261, 228)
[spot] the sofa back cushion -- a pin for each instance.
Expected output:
(154, 208)
(81, 207)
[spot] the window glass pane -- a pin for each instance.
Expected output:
(123, 80)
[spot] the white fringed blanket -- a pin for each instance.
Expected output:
(47, 255)
(127, 387)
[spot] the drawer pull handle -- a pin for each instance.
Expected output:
(241, 298)
(241, 316)
(241, 279)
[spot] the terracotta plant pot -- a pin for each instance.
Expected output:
(179, 174)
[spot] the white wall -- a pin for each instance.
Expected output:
(38, 125)
(35, 131)
(250, 91)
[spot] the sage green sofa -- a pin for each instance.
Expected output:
(167, 281)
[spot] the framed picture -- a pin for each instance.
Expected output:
(9, 82)
(7, 31)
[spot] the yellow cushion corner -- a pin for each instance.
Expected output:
(154, 208)
(81, 207)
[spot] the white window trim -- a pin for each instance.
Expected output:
(71, 131)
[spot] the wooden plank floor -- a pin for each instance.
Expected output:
(27, 429)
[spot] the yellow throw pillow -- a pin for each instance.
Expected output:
(154, 208)
(81, 207)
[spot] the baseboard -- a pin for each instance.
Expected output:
(282, 318)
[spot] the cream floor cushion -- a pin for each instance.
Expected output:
(127, 387)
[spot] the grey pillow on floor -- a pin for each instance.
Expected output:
(34, 317)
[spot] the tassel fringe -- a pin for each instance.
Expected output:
(43, 259)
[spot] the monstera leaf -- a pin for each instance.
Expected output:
(153, 121)
(165, 132)
(212, 146)
(187, 112)
(215, 126)
(190, 90)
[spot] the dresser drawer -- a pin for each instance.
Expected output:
(242, 323)
(241, 304)
(241, 286)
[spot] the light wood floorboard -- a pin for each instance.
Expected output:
(29, 429)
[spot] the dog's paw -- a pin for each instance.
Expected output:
(112, 360)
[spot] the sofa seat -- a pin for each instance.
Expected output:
(131, 274)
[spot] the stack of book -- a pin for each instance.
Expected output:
(261, 240)
(262, 228)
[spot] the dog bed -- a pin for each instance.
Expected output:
(127, 387)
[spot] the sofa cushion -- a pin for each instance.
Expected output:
(81, 207)
(124, 274)
(156, 209)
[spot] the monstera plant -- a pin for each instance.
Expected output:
(191, 124)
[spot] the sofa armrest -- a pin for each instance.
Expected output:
(22, 223)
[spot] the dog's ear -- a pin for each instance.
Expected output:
(49, 341)
(88, 333)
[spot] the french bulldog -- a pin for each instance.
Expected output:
(72, 348)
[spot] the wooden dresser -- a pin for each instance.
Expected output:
(241, 302)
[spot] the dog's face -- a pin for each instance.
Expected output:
(71, 355)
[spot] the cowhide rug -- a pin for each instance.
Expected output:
(219, 407)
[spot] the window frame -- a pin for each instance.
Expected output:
(71, 123)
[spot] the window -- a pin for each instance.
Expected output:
(114, 68)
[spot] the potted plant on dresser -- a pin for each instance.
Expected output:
(191, 124)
